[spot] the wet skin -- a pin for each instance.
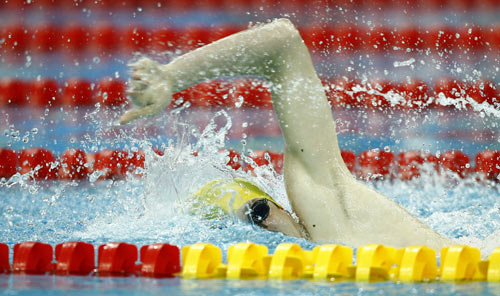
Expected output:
(266, 214)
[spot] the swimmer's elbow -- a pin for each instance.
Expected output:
(284, 28)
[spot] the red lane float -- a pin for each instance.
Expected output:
(112, 163)
(264, 157)
(75, 164)
(8, 163)
(4, 258)
(455, 161)
(488, 163)
(234, 160)
(251, 93)
(111, 92)
(32, 258)
(116, 259)
(16, 39)
(45, 93)
(273, 5)
(409, 164)
(76, 38)
(160, 260)
(74, 258)
(13, 92)
(349, 159)
(78, 92)
(137, 38)
(46, 38)
(105, 38)
(39, 161)
(376, 162)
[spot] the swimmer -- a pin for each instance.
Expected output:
(331, 205)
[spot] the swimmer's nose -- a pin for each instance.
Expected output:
(280, 220)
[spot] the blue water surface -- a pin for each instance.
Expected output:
(154, 208)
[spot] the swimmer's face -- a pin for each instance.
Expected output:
(266, 214)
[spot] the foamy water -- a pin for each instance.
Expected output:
(155, 208)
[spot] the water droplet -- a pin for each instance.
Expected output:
(96, 60)
(239, 102)
(387, 149)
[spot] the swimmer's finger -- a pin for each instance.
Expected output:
(135, 113)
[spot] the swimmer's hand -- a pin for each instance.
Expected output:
(149, 90)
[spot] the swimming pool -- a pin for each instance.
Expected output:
(138, 211)
(427, 41)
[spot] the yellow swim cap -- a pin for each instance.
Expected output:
(228, 195)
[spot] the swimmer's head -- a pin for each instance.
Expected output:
(243, 199)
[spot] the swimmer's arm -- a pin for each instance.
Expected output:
(251, 52)
(326, 198)
(275, 52)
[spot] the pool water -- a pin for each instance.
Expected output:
(154, 208)
(38, 285)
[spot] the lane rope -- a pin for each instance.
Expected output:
(246, 260)
(375, 164)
